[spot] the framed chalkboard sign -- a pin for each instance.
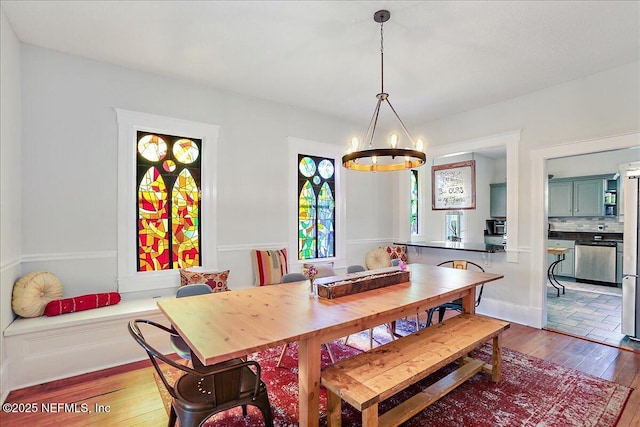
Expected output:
(453, 186)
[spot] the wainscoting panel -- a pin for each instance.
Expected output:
(73, 345)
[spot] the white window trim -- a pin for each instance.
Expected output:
(129, 123)
(319, 149)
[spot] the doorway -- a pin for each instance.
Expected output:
(590, 311)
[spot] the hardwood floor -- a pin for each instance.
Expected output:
(128, 395)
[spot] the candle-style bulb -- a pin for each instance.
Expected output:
(394, 140)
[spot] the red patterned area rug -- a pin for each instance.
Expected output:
(532, 392)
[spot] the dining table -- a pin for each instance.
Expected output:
(225, 325)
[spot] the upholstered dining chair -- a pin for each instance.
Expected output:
(395, 262)
(177, 343)
(356, 268)
(298, 277)
(200, 393)
(457, 304)
(293, 277)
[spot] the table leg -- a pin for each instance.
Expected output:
(469, 302)
(309, 382)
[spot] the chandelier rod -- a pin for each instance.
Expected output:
(381, 57)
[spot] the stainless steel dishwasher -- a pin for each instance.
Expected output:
(596, 262)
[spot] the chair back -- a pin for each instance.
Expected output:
(206, 390)
(395, 262)
(324, 271)
(155, 356)
(355, 268)
(226, 375)
(177, 343)
(194, 289)
(464, 265)
(293, 277)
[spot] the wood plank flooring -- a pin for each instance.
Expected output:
(128, 395)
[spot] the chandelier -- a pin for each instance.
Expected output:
(393, 157)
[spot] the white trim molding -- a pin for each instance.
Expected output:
(129, 122)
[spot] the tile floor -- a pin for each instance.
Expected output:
(590, 311)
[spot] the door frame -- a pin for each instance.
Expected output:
(539, 208)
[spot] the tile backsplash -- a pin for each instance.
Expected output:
(590, 225)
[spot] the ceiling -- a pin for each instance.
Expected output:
(441, 57)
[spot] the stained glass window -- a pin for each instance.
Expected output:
(316, 207)
(414, 202)
(168, 207)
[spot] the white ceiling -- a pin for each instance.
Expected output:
(441, 57)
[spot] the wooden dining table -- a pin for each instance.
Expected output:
(224, 325)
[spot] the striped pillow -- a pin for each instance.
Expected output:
(269, 266)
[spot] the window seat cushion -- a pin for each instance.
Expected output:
(123, 310)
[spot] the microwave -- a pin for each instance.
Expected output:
(496, 226)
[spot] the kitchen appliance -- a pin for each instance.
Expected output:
(496, 227)
(595, 262)
(630, 292)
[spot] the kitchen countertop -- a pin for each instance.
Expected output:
(576, 235)
(459, 246)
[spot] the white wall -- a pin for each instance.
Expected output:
(70, 144)
(10, 185)
(595, 106)
(592, 164)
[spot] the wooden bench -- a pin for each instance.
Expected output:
(368, 378)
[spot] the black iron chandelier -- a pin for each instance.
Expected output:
(383, 159)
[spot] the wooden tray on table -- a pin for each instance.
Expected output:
(353, 283)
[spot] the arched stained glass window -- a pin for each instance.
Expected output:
(153, 219)
(168, 174)
(184, 214)
(307, 221)
(414, 202)
(326, 209)
(316, 207)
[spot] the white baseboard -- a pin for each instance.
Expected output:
(4, 383)
(506, 311)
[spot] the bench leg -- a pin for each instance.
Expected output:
(334, 410)
(370, 416)
(496, 371)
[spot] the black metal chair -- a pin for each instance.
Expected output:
(208, 390)
(456, 304)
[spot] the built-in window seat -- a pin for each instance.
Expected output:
(45, 348)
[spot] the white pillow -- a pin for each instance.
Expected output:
(33, 292)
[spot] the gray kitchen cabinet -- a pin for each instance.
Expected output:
(560, 198)
(567, 267)
(588, 197)
(498, 199)
(581, 197)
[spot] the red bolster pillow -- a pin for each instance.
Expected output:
(83, 302)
